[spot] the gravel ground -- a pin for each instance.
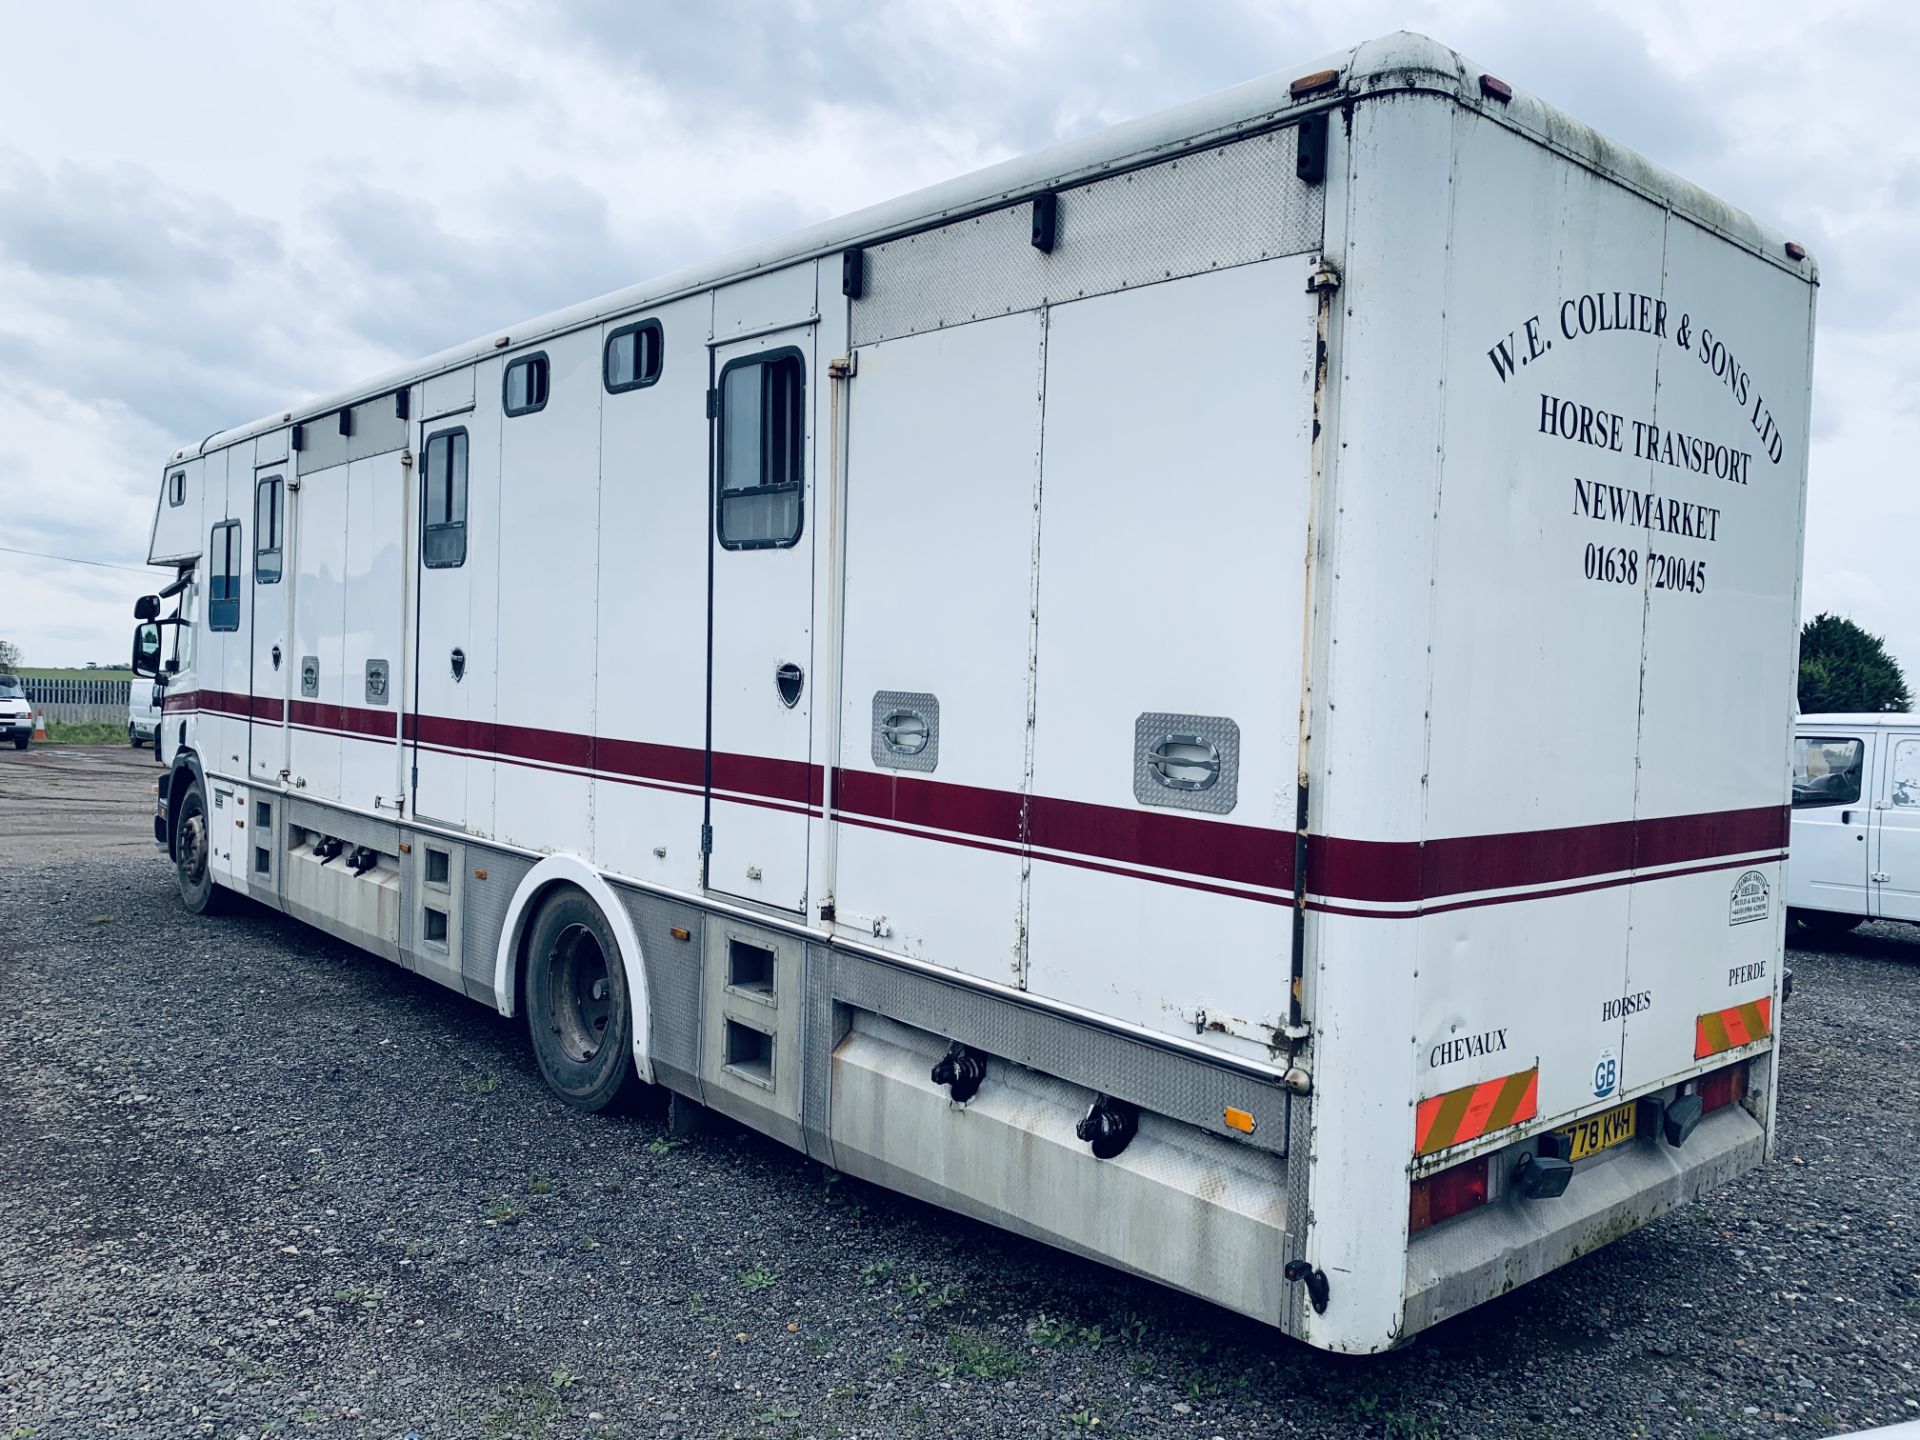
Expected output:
(253, 1181)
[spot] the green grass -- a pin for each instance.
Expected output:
(84, 732)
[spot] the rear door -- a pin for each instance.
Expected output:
(1828, 864)
(763, 783)
(1895, 881)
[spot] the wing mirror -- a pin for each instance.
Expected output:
(147, 607)
(146, 649)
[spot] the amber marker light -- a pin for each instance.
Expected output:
(1312, 84)
(1241, 1120)
(680, 932)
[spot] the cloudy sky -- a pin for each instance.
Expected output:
(209, 212)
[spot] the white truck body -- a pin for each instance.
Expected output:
(1856, 820)
(1282, 614)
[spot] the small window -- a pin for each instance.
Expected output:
(1826, 770)
(525, 388)
(269, 526)
(177, 488)
(443, 501)
(223, 576)
(632, 357)
(762, 435)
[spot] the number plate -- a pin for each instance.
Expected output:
(1600, 1132)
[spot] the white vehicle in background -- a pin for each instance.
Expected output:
(1212, 696)
(143, 711)
(1856, 822)
(16, 713)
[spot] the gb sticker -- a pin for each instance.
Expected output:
(1606, 1074)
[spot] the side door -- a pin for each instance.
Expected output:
(761, 780)
(450, 713)
(267, 698)
(1828, 860)
(1895, 881)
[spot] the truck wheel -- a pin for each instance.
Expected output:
(577, 1008)
(1819, 926)
(133, 737)
(193, 855)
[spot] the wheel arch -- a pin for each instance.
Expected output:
(558, 872)
(189, 761)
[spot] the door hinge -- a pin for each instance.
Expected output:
(706, 839)
(1879, 877)
(713, 404)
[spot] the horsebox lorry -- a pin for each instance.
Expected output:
(1217, 696)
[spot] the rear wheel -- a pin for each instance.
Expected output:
(192, 855)
(578, 1010)
(1817, 926)
(133, 737)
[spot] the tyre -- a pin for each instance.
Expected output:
(133, 737)
(193, 855)
(578, 1011)
(20, 741)
(1819, 926)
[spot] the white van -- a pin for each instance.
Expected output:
(1855, 852)
(143, 713)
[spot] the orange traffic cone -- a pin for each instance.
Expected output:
(39, 724)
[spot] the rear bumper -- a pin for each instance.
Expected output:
(1455, 1266)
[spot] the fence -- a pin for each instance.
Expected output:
(75, 699)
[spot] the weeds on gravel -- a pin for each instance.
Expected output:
(539, 1185)
(359, 1297)
(876, 1273)
(757, 1278)
(979, 1359)
(505, 1212)
(663, 1145)
(483, 1086)
(563, 1379)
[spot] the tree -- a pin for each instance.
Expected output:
(1843, 668)
(10, 656)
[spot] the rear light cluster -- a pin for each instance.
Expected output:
(1447, 1193)
(1722, 1088)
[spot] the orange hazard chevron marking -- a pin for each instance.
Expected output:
(1475, 1110)
(1732, 1027)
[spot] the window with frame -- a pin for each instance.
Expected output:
(177, 488)
(632, 356)
(269, 527)
(524, 388)
(223, 576)
(762, 434)
(443, 501)
(1827, 770)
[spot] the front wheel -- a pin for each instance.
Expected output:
(20, 741)
(193, 855)
(578, 1011)
(133, 737)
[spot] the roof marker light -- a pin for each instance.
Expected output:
(1494, 88)
(1312, 84)
(1795, 250)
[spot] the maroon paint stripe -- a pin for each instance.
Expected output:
(1214, 848)
(1409, 872)
(344, 719)
(1078, 864)
(1371, 914)
(964, 809)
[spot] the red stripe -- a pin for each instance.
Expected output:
(1362, 871)
(1410, 871)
